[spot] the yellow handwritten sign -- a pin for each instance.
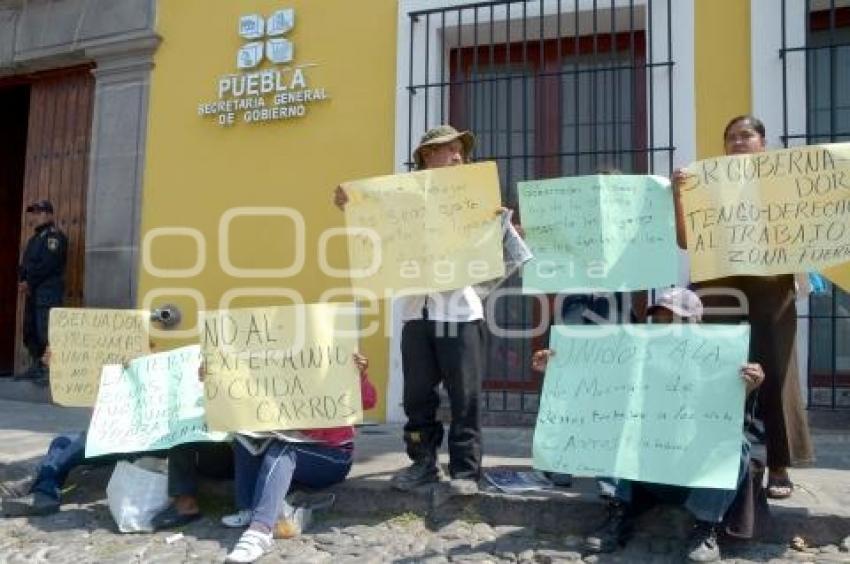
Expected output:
(777, 212)
(839, 275)
(431, 230)
(275, 368)
(83, 340)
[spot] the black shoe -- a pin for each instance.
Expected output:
(702, 545)
(559, 479)
(614, 533)
(419, 473)
(170, 518)
(32, 504)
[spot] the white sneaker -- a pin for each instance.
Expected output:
(250, 546)
(238, 520)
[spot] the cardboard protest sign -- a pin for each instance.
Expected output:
(777, 212)
(425, 231)
(839, 275)
(154, 403)
(83, 340)
(654, 403)
(602, 232)
(287, 367)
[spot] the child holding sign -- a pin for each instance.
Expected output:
(709, 506)
(268, 464)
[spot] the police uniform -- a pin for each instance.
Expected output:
(43, 269)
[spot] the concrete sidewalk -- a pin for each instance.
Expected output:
(819, 510)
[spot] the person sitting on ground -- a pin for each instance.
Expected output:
(185, 463)
(68, 450)
(268, 464)
(64, 453)
(709, 506)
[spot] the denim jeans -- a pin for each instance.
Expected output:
(64, 453)
(263, 480)
(705, 504)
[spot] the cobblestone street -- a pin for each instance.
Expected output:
(367, 524)
(84, 532)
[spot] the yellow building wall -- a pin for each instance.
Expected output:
(721, 69)
(197, 170)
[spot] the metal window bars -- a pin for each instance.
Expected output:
(815, 54)
(550, 88)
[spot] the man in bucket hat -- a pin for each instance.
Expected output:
(441, 342)
(443, 146)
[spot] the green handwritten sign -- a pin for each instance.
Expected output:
(602, 232)
(155, 403)
(654, 403)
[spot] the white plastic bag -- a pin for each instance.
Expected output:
(136, 492)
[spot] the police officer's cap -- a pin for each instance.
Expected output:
(40, 206)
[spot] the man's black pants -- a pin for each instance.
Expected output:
(433, 352)
(186, 461)
(36, 319)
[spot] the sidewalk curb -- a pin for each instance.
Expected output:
(567, 513)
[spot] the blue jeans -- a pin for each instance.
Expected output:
(705, 504)
(64, 453)
(262, 481)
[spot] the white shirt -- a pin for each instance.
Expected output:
(453, 305)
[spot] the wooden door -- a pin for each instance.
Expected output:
(57, 155)
(14, 108)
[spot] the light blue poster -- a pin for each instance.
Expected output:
(153, 403)
(601, 232)
(654, 403)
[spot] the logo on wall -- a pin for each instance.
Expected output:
(253, 95)
(277, 49)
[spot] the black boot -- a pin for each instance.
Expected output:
(614, 533)
(421, 472)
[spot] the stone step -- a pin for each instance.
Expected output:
(23, 390)
(573, 511)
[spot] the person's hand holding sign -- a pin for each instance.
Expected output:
(678, 181)
(753, 375)
(361, 362)
(540, 359)
(340, 198)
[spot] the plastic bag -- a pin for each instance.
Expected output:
(136, 493)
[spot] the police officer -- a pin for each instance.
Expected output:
(41, 276)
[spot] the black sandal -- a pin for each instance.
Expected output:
(779, 488)
(170, 518)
